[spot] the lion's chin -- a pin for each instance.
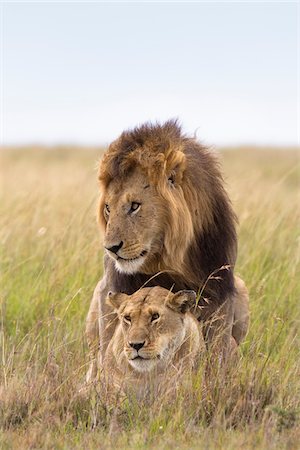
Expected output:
(142, 364)
(130, 266)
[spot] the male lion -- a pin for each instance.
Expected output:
(167, 221)
(156, 337)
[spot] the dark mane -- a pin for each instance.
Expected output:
(158, 136)
(213, 248)
(148, 132)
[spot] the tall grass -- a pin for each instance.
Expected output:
(51, 260)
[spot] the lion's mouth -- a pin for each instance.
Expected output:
(143, 253)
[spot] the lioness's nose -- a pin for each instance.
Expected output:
(115, 248)
(137, 345)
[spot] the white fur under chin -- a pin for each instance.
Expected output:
(143, 365)
(130, 266)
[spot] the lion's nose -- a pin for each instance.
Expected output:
(115, 248)
(137, 345)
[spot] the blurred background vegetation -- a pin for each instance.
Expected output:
(51, 260)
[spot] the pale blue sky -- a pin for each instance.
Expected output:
(83, 72)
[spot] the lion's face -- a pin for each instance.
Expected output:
(134, 216)
(153, 324)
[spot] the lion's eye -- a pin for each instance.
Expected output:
(107, 210)
(154, 317)
(134, 207)
(127, 319)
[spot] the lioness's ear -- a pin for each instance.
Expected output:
(182, 301)
(115, 299)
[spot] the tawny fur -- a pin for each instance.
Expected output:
(196, 203)
(182, 235)
(173, 341)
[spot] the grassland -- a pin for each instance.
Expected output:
(51, 260)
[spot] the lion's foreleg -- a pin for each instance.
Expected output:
(92, 333)
(227, 326)
(241, 311)
(107, 324)
(218, 332)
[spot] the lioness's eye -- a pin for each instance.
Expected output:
(127, 319)
(134, 207)
(154, 316)
(107, 210)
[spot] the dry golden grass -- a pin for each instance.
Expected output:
(50, 262)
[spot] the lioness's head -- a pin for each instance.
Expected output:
(147, 206)
(153, 324)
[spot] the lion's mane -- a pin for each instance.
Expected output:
(199, 235)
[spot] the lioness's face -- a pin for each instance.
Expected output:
(134, 217)
(153, 326)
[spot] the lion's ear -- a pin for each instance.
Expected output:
(116, 299)
(182, 301)
(175, 167)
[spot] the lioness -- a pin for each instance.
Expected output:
(167, 221)
(156, 336)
